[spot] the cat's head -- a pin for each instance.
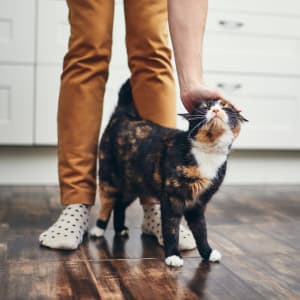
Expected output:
(212, 119)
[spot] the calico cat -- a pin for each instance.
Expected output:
(183, 169)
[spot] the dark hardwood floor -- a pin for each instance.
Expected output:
(257, 229)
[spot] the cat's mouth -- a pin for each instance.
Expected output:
(217, 118)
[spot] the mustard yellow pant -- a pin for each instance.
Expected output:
(85, 72)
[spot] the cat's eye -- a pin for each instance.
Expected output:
(226, 105)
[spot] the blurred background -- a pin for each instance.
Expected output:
(252, 53)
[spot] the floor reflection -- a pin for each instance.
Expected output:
(198, 283)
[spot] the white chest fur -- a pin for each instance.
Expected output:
(211, 157)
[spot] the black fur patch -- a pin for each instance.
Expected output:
(141, 158)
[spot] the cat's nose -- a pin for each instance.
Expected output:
(215, 110)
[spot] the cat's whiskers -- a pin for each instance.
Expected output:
(195, 118)
(200, 113)
(195, 127)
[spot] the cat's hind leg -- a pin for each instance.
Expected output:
(108, 195)
(119, 218)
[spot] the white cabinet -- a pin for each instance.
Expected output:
(17, 53)
(119, 53)
(251, 51)
(47, 90)
(16, 105)
(248, 43)
(272, 106)
(17, 31)
(266, 7)
(52, 31)
(52, 41)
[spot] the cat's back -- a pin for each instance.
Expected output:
(131, 138)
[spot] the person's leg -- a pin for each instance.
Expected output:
(85, 71)
(153, 87)
(149, 59)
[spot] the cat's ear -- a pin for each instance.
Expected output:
(187, 116)
(242, 118)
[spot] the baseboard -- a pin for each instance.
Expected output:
(38, 165)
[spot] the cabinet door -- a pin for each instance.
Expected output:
(47, 90)
(271, 7)
(16, 105)
(271, 104)
(116, 78)
(52, 31)
(119, 52)
(241, 42)
(17, 21)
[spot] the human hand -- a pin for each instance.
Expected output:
(200, 92)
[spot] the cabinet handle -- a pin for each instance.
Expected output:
(229, 87)
(231, 24)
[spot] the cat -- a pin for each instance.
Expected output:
(183, 169)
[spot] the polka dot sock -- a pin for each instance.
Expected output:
(152, 226)
(68, 231)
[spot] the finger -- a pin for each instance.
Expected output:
(223, 97)
(235, 107)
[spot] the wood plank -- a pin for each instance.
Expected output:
(287, 233)
(256, 272)
(152, 279)
(253, 241)
(47, 280)
(3, 254)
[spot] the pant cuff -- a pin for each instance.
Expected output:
(77, 197)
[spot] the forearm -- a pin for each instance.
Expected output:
(187, 25)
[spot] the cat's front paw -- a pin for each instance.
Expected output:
(96, 232)
(174, 261)
(215, 256)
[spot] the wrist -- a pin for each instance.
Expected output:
(188, 88)
(189, 79)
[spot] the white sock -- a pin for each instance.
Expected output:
(152, 226)
(67, 232)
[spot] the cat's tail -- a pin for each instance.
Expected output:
(125, 102)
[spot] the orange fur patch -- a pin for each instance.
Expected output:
(101, 155)
(210, 132)
(156, 174)
(143, 132)
(172, 182)
(189, 171)
(106, 200)
(236, 130)
(199, 186)
(106, 188)
(121, 140)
